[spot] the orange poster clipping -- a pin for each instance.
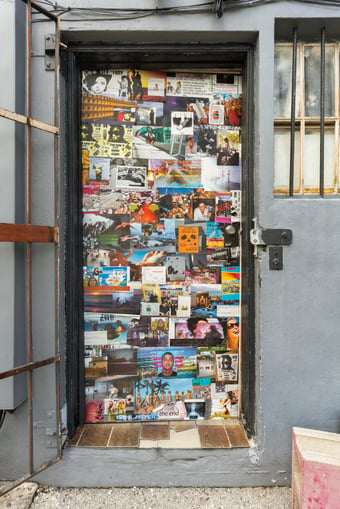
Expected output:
(188, 239)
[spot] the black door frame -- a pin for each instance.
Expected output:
(157, 57)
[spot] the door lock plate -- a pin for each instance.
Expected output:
(277, 237)
(275, 258)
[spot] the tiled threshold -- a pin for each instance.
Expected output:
(167, 435)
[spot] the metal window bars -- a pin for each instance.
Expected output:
(322, 110)
(292, 115)
(322, 113)
(29, 233)
(300, 120)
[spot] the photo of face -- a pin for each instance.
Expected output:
(96, 82)
(203, 210)
(124, 87)
(233, 334)
(201, 213)
(99, 85)
(226, 362)
(202, 329)
(167, 362)
(199, 331)
(167, 365)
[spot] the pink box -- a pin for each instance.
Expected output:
(315, 469)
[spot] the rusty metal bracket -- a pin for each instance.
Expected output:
(10, 232)
(29, 366)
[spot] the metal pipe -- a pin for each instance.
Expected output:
(292, 115)
(28, 121)
(29, 367)
(41, 9)
(57, 220)
(29, 220)
(322, 110)
(14, 232)
(27, 477)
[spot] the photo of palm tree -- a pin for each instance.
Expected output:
(153, 393)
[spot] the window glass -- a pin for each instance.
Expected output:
(312, 161)
(307, 118)
(312, 81)
(283, 82)
(282, 161)
(329, 161)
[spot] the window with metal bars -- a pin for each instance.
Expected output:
(306, 118)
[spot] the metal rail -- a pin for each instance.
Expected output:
(322, 110)
(12, 232)
(10, 115)
(29, 367)
(29, 233)
(27, 477)
(292, 115)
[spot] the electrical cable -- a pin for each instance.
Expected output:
(153, 9)
(216, 6)
(118, 14)
(49, 3)
(94, 17)
(219, 8)
(2, 417)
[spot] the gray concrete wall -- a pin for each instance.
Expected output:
(12, 209)
(297, 309)
(13, 391)
(7, 210)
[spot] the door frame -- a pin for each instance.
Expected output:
(156, 56)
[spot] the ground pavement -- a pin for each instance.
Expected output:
(30, 495)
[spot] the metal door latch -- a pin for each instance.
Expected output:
(256, 234)
(274, 237)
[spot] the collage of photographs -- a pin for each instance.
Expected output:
(161, 178)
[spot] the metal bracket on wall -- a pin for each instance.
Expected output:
(49, 52)
(271, 236)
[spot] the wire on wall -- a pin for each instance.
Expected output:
(2, 417)
(219, 8)
(215, 6)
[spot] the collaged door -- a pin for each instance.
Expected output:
(161, 175)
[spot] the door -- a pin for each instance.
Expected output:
(162, 193)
